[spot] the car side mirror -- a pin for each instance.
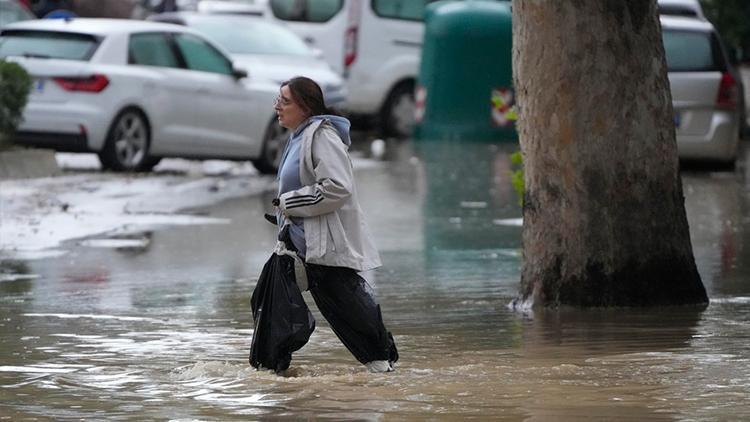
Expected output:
(239, 73)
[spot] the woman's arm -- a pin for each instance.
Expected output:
(334, 178)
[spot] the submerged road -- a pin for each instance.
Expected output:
(154, 322)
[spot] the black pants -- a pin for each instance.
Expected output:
(346, 301)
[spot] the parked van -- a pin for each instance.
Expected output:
(706, 91)
(375, 44)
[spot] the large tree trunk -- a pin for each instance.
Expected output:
(604, 216)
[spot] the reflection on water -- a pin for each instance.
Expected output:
(468, 189)
(108, 332)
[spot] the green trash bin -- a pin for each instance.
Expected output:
(464, 90)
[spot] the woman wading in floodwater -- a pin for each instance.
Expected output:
(318, 201)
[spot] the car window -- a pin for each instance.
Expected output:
(400, 9)
(252, 37)
(47, 44)
(306, 10)
(692, 51)
(151, 50)
(199, 55)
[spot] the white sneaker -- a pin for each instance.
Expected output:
(379, 366)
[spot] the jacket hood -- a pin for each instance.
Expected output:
(341, 124)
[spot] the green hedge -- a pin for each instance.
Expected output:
(15, 84)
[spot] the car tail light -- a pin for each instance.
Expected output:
(350, 36)
(93, 83)
(727, 97)
(350, 46)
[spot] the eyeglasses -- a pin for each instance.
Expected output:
(280, 101)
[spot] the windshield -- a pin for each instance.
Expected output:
(245, 36)
(46, 44)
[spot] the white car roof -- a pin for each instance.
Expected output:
(693, 5)
(674, 22)
(95, 26)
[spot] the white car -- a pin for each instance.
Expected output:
(706, 91)
(684, 8)
(269, 52)
(135, 92)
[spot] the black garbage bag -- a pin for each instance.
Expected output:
(283, 322)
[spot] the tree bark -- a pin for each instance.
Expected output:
(604, 216)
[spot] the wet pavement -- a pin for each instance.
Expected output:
(158, 327)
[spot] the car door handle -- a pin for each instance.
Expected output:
(204, 91)
(309, 40)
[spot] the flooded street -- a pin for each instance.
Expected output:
(157, 325)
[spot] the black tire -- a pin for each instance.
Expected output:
(127, 144)
(726, 166)
(397, 114)
(273, 145)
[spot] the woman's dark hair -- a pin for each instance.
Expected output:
(307, 93)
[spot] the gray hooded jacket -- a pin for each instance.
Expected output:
(336, 233)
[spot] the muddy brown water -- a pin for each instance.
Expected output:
(162, 332)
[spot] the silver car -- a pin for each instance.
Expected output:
(269, 52)
(684, 8)
(135, 92)
(706, 91)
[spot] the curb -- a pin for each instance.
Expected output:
(27, 164)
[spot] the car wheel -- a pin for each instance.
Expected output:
(727, 165)
(273, 146)
(126, 148)
(397, 116)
